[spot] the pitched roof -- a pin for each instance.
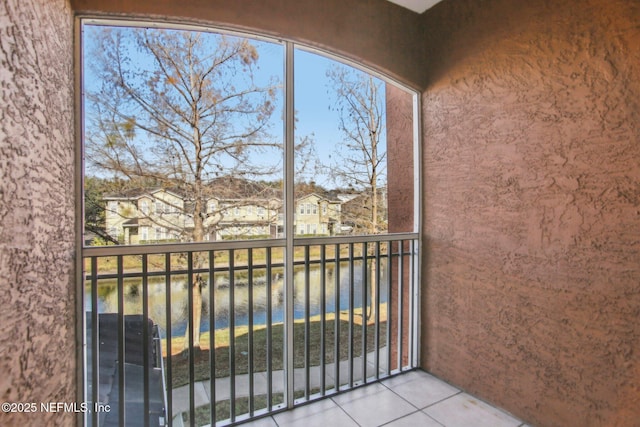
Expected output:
(232, 188)
(136, 193)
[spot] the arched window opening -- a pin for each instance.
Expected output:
(251, 215)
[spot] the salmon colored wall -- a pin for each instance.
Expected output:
(37, 210)
(531, 291)
(373, 32)
(400, 159)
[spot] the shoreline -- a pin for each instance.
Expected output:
(222, 335)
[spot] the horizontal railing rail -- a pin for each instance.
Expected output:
(114, 250)
(221, 322)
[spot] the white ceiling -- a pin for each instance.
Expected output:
(417, 6)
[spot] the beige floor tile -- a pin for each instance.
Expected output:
(417, 419)
(420, 389)
(374, 405)
(463, 410)
(320, 414)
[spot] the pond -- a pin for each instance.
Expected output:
(108, 296)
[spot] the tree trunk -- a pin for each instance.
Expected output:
(372, 292)
(196, 315)
(198, 236)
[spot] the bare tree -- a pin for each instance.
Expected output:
(360, 162)
(178, 108)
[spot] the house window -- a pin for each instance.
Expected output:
(144, 207)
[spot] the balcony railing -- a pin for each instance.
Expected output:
(218, 333)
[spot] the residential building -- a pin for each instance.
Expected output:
(141, 216)
(160, 215)
(317, 215)
(235, 209)
(240, 208)
(237, 218)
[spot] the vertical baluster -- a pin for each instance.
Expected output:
(121, 343)
(351, 297)
(307, 323)
(191, 326)
(212, 338)
(389, 303)
(363, 286)
(323, 316)
(413, 319)
(145, 337)
(400, 302)
(336, 326)
(95, 341)
(250, 346)
(376, 304)
(168, 334)
(269, 334)
(232, 336)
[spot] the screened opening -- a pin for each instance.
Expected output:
(250, 215)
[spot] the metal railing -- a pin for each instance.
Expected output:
(224, 312)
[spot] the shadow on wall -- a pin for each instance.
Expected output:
(481, 29)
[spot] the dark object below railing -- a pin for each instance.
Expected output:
(134, 370)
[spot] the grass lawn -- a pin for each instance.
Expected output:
(180, 362)
(223, 409)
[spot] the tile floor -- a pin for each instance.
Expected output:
(413, 399)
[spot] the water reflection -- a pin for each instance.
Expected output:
(108, 296)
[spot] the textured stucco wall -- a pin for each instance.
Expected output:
(532, 206)
(37, 327)
(373, 32)
(400, 157)
(400, 197)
